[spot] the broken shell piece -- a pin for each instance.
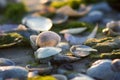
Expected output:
(67, 10)
(81, 50)
(73, 30)
(112, 28)
(37, 23)
(33, 41)
(59, 18)
(46, 52)
(48, 38)
(59, 76)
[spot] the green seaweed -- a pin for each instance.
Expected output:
(113, 55)
(14, 12)
(73, 24)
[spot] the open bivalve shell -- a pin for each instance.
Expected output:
(81, 50)
(46, 52)
(37, 23)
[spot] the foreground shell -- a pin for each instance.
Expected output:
(73, 30)
(112, 28)
(48, 38)
(37, 23)
(46, 52)
(81, 50)
(13, 72)
(101, 69)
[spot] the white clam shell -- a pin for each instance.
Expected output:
(73, 30)
(37, 23)
(81, 50)
(45, 52)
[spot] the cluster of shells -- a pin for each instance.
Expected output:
(56, 54)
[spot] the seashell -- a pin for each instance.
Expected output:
(81, 50)
(48, 38)
(92, 17)
(6, 62)
(46, 52)
(59, 76)
(73, 30)
(40, 69)
(59, 18)
(33, 41)
(101, 69)
(64, 58)
(112, 28)
(37, 23)
(80, 76)
(116, 65)
(13, 72)
(67, 10)
(74, 40)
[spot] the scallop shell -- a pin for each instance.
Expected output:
(67, 10)
(101, 69)
(45, 52)
(81, 50)
(6, 62)
(59, 18)
(37, 23)
(59, 76)
(73, 30)
(47, 38)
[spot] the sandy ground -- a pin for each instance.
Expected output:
(21, 56)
